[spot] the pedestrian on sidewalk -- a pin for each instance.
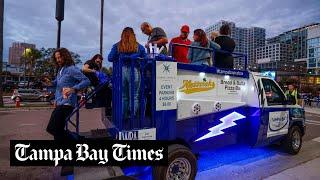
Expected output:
(318, 99)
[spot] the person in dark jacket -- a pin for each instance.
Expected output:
(91, 67)
(225, 60)
(93, 70)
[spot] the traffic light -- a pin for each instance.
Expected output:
(60, 10)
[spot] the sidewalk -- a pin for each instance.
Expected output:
(308, 170)
(313, 110)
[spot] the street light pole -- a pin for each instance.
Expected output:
(101, 26)
(59, 18)
(59, 34)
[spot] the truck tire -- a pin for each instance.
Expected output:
(182, 165)
(293, 141)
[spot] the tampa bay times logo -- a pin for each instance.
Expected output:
(114, 153)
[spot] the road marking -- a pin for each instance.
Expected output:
(317, 123)
(313, 121)
(26, 125)
(316, 139)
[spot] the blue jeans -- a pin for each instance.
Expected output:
(126, 90)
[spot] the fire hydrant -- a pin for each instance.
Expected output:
(17, 102)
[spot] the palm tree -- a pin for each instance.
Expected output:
(30, 56)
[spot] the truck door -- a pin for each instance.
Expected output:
(274, 113)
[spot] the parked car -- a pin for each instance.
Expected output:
(28, 94)
(24, 84)
(8, 86)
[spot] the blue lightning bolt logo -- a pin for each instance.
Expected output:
(227, 121)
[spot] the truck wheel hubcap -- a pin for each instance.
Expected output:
(296, 140)
(179, 168)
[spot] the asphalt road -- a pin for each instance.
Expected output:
(255, 163)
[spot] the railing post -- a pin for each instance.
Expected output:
(213, 58)
(153, 92)
(77, 122)
(131, 96)
(142, 95)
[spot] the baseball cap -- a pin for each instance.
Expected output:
(185, 28)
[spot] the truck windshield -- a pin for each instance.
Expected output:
(273, 93)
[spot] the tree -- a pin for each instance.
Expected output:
(30, 55)
(45, 66)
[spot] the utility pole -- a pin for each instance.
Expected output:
(59, 18)
(101, 27)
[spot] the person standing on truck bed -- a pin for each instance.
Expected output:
(292, 94)
(128, 46)
(213, 35)
(201, 56)
(180, 53)
(156, 36)
(225, 59)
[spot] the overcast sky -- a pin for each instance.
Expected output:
(32, 21)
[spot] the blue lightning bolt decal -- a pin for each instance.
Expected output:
(227, 121)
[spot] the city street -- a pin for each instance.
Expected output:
(241, 163)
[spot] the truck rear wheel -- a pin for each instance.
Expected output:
(182, 164)
(293, 141)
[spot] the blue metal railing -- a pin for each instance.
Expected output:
(147, 75)
(80, 105)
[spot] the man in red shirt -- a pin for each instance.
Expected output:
(180, 53)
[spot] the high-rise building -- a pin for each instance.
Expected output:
(313, 49)
(297, 38)
(16, 51)
(273, 56)
(247, 40)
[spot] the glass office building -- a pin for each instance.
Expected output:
(247, 40)
(313, 52)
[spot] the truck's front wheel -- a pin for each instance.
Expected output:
(182, 164)
(293, 141)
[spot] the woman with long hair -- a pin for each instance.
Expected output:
(128, 46)
(91, 67)
(68, 81)
(201, 56)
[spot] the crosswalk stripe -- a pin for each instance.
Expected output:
(307, 120)
(313, 123)
(316, 139)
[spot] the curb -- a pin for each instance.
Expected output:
(5, 109)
